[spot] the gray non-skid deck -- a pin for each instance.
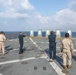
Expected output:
(34, 59)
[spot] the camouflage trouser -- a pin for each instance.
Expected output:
(2, 47)
(67, 57)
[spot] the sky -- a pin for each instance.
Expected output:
(26, 15)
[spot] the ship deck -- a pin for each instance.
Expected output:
(34, 60)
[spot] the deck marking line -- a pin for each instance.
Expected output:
(53, 64)
(13, 40)
(56, 68)
(35, 44)
(41, 42)
(1, 74)
(18, 60)
(14, 49)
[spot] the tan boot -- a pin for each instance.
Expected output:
(65, 67)
(69, 66)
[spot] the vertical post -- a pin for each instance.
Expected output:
(58, 33)
(70, 33)
(47, 32)
(31, 33)
(39, 33)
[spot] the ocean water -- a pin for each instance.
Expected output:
(12, 35)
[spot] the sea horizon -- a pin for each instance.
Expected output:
(14, 34)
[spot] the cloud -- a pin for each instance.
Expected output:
(11, 13)
(26, 5)
(43, 20)
(72, 5)
(12, 8)
(62, 19)
(17, 4)
(65, 16)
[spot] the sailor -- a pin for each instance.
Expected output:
(2, 40)
(21, 41)
(67, 49)
(52, 46)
